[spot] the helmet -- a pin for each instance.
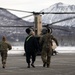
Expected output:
(49, 30)
(44, 30)
(28, 30)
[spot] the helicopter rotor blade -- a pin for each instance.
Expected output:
(27, 16)
(54, 27)
(39, 12)
(62, 20)
(16, 26)
(57, 12)
(23, 17)
(51, 27)
(61, 29)
(17, 10)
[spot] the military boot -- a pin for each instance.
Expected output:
(44, 64)
(48, 65)
(28, 66)
(32, 64)
(3, 66)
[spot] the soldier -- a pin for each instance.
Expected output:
(54, 42)
(46, 44)
(30, 46)
(4, 47)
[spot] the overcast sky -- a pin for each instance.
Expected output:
(31, 5)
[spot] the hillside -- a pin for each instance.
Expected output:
(9, 19)
(61, 19)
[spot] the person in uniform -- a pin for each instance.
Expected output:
(30, 46)
(46, 44)
(4, 47)
(54, 42)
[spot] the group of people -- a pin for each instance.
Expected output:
(31, 47)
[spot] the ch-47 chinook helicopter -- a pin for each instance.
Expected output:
(38, 25)
(38, 20)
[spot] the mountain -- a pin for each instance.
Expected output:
(9, 19)
(61, 18)
(63, 25)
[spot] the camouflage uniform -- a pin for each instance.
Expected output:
(46, 43)
(4, 47)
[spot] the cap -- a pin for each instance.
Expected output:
(3, 38)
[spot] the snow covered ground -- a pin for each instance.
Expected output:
(16, 50)
(64, 49)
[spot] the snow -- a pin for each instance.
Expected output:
(59, 49)
(65, 49)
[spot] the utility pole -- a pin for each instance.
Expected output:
(38, 24)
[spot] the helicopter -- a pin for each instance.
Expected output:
(37, 24)
(38, 20)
